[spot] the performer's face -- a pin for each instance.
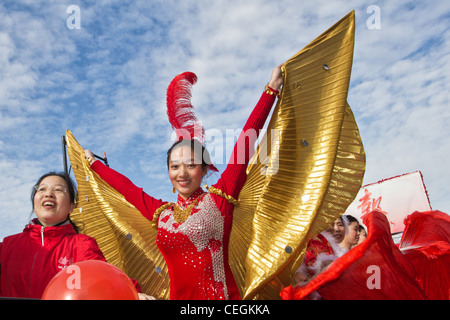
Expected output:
(362, 236)
(352, 234)
(338, 230)
(185, 171)
(51, 201)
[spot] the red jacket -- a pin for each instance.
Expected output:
(29, 260)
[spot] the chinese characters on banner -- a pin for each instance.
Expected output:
(397, 197)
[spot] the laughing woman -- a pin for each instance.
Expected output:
(50, 243)
(193, 234)
(29, 260)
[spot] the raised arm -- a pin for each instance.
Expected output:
(133, 194)
(234, 176)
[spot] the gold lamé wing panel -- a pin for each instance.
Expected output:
(126, 238)
(313, 170)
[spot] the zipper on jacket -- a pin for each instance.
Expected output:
(42, 235)
(34, 261)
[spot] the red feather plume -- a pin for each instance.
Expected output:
(180, 110)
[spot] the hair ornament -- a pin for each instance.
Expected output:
(180, 110)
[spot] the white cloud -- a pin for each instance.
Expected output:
(18, 177)
(400, 95)
(106, 82)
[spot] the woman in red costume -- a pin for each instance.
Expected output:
(320, 251)
(193, 234)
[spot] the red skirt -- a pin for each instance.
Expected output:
(426, 244)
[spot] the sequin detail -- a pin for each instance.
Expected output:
(194, 249)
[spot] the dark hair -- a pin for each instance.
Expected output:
(70, 188)
(196, 147)
(349, 219)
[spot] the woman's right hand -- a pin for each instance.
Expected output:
(89, 156)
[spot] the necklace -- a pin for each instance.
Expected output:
(181, 215)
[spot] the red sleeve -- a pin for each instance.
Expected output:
(136, 196)
(233, 178)
(88, 249)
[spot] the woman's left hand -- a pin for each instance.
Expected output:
(276, 79)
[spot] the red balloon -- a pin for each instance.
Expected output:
(90, 280)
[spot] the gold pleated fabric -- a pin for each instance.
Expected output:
(311, 173)
(126, 238)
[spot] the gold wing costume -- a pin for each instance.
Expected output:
(296, 186)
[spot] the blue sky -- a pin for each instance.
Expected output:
(106, 82)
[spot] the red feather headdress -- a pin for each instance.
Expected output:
(181, 112)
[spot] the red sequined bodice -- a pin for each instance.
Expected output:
(195, 251)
